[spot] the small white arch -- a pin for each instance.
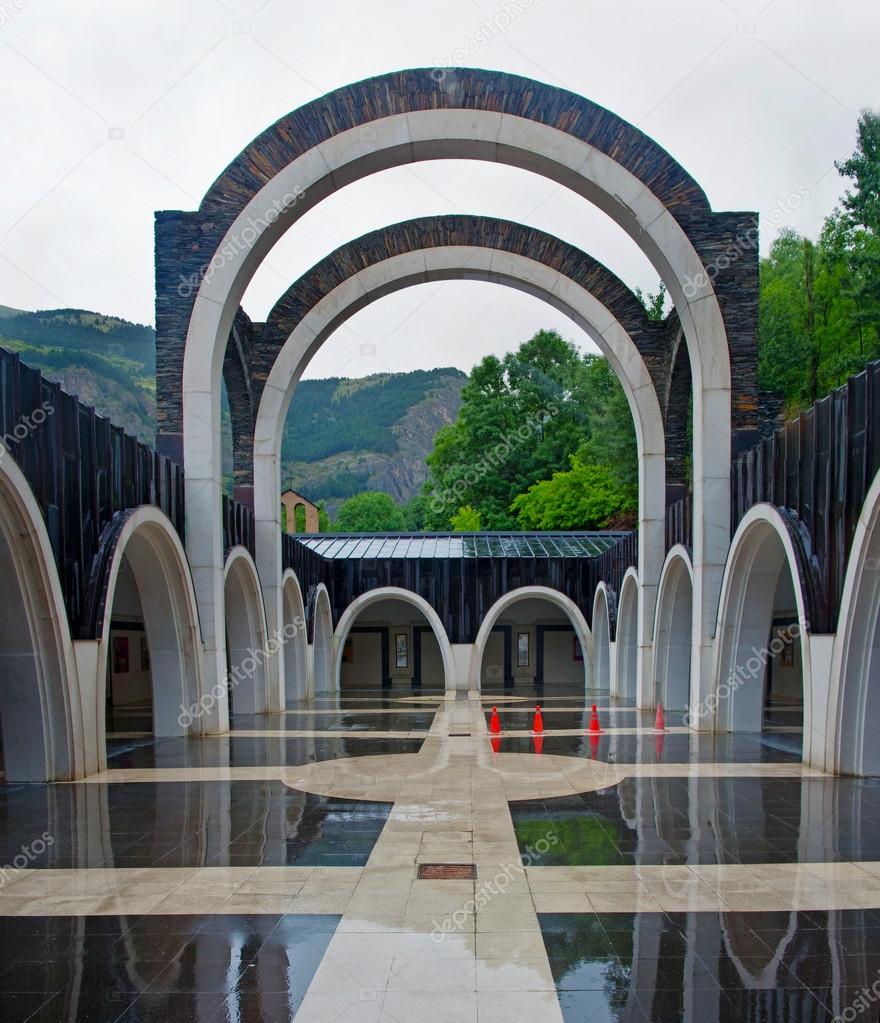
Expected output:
(248, 642)
(150, 545)
(555, 597)
(760, 551)
(323, 678)
(41, 708)
(602, 638)
(626, 637)
(672, 631)
(296, 645)
(361, 603)
(853, 706)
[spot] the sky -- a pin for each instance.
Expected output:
(112, 110)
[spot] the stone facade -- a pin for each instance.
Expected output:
(291, 500)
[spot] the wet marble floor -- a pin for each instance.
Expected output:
(272, 873)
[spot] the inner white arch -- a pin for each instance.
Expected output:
(555, 597)
(497, 267)
(601, 639)
(322, 642)
(247, 633)
(481, 135)
(672, 631)
(627, 637)
(295, 661)
(361, 603)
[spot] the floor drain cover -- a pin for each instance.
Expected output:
(447, 871)
(459, 735)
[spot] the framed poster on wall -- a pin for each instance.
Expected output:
(401, 650)
(522, 650)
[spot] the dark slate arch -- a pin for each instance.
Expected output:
(186, 242)
(423, 233)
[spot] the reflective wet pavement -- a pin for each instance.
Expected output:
(271, 873)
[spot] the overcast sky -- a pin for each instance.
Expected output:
(112, 110)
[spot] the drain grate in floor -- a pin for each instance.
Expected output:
(459, 735)
(447, 871)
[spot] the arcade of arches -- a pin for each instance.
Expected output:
(238, 757)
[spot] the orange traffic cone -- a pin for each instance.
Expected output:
(538, 723)
(538, 741)
(495, 722)
(594, 722)
(660, 722)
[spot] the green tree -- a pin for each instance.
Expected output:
(370, 512)
(655, 305)
(588, 496)
(466, 520)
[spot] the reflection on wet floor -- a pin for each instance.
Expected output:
(210, 969)
(675, 748)
(705, 820)
(187, 824)
(518, 717)
(230, 751)
(774, 967)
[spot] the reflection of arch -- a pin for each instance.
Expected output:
(151, 547)
(360, 604)
(603, 605)
(310, 314)
(296, 653)
(565, 604)
(320, 616)
(766, 544)
(672, 631)
(460, 114)
(246, 633)
(627, 636)
(853, 712)
(40, 704)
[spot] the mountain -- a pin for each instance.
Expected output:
(107, 362)
(373, 433)
(343, 435)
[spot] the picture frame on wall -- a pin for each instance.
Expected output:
(120, 655)
(401, 650)
(523, 650)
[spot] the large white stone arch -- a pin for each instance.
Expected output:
(602, 650)
(498, 267)
(248, 647)
(323, 677)
(295, 660)
(852, 710)
(762, 548)
(150, 545)
(41, 707)
(555, 597)
(626, 637)
(446, 132)
(672, 631)
(361, 603)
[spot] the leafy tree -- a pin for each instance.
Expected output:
(370, 512)
(655, 305)
(588, 496)
(466, 520)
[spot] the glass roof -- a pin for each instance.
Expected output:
(458, 545)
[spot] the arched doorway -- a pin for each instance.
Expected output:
(246, 637)
(601, 639)
(627, 637)
(295, 640)
(763, 669)
(41, 725)
(323, 675)
(533, 640)
(672, 632)
(391, 638)
(853, 712)
(150, 673)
